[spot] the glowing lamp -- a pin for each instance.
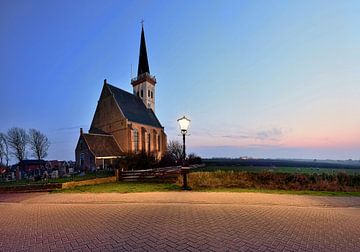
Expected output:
(184, 124)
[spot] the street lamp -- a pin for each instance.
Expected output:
(184, 125)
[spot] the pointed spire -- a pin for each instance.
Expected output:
(143, 66)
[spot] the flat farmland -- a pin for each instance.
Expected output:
(282, 169)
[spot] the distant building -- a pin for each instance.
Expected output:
(123, 122)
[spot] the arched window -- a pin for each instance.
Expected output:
(136, 140)
(142, 93)
(159, 142)
(152, 94)
(148, 93)
(148, 143)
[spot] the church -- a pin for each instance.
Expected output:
(123, 122)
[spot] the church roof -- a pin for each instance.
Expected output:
(143, 66)
(102, 145)
(133, 107)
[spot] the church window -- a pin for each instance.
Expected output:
(151, 94)
(82, 159)
(148, 93)
(142, 93)
(136, 140)
(158, 142)
(149, 138)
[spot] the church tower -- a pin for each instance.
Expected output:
(144, 83)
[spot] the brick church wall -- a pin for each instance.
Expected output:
(109, 119)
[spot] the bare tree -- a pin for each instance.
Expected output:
(39, 144)
(175, 149)
(17, 140)
(4, 149)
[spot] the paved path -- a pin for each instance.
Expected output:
(186, 221)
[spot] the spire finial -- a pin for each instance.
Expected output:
(143, 66)
(142, 22)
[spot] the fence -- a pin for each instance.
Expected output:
(166, 174)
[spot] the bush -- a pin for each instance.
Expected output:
(139, 161)
(194, 159)
(167, 160)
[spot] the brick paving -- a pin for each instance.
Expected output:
(178, 221)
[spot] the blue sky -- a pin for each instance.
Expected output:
(257, 78)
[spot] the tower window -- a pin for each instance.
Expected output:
(142, 93)
(151, 94)
(148, 93)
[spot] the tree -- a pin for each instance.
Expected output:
(194, 159)
(138, 161)
(17, 140)
(39, 144)
(4, 149)
(175, 149)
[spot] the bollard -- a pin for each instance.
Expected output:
(184, 171)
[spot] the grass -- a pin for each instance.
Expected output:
(132, 187)
(123, 187)
(302, 170)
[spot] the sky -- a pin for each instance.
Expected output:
(267, 79)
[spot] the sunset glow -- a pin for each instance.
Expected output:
(276, 79)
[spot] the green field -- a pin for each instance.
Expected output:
(131, 187)
(123, 187)
(303, 170)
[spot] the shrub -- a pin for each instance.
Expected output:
(267, 180)
(139, 161)
(194, 159)
(167, 160)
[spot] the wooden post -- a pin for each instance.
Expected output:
(118, 175)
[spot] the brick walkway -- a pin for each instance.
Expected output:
(186, 221)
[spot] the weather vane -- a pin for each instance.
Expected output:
(142, 22)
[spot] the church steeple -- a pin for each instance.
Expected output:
(144, 83)
(143, 66)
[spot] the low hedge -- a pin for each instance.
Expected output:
(31, 188)
(340, 182)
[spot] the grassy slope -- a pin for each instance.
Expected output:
(127, 187)
(124, 187)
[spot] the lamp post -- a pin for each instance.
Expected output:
(184, 125)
